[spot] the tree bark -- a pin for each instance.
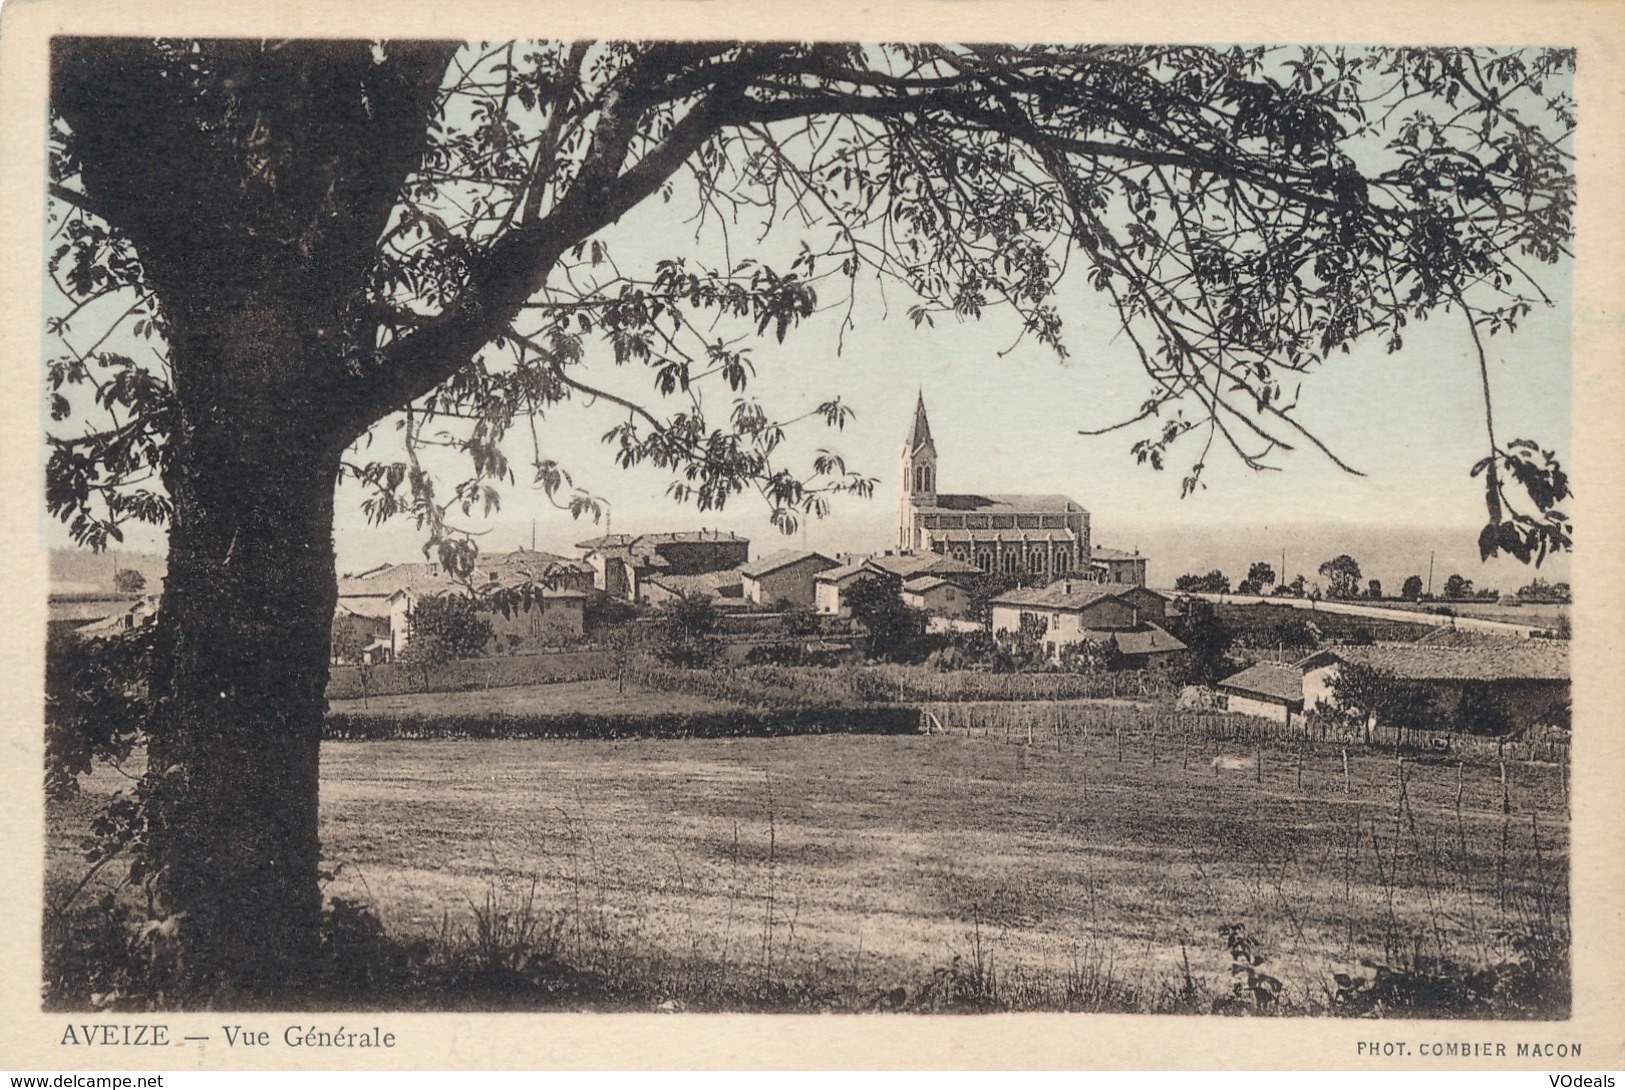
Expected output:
(244, 634)
(254, 181)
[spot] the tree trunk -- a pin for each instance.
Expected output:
(244, 640)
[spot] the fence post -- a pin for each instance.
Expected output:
(1345, 770)
(1506, 799)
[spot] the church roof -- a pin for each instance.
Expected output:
(920, 434)
(979, 537)
(1006, 503)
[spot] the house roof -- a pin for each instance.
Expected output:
(908, 565)
(783, 558)
(1528, 660)
(1006, 503)
(835, 575)
(386, 579)
(67, 609)
(373, 608)
(625, 541)
(708, 583)
(1147, 639)
(1278, 682)
(1100, 552)
(537, 560)
(1061, 594)
(923, 584)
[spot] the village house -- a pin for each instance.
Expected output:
(97, 616)
(1526, 680)
(834, 582)
(622, 563)
(1268, 690)
(1117, 566)
(785, 576)
(937, 596)
(90, 613)
(380, 600)
(1068, 612)
(724, 589)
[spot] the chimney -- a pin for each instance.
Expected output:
(1067, 587)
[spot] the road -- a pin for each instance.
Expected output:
(1470, 624)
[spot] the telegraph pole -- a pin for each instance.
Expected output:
(1430, 573)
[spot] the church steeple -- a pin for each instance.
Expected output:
(918, 466)
(920, 434)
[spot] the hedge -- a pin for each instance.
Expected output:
(743, 723)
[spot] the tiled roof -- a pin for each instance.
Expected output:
(369, 607)
(63, 609)
(536, 560)
(1061, 594)
(1529, 660)
(614, 541)
(708, 583)
(783, 558)
(1147, 639)
(835, 575)
(1006, 503)
(1273, 680)
(922, 584)
(908, 565)
(386, 579)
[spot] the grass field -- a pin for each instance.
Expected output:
(966, 870)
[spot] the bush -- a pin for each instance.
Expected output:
(689, 634)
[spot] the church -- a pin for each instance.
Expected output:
(1043, 535)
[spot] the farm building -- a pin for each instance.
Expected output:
(1527, 681)
(1269, 690)
(937, 596)
(1510, 684)
(1073, 611)
(833, 583)
(622, 562)
(1117, 566)
(381, 599)
(785, 576)
(372, 620)
(93, 613)
(725, 589)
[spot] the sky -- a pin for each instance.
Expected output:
(1007, 419)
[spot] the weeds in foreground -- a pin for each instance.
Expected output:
(506, 955)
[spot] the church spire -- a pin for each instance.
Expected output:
(920, 434)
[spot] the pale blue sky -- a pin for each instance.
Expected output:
(1413, 422)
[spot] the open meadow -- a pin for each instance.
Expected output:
(980, 867)
(1061, 871)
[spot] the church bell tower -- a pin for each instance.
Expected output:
(919, 478)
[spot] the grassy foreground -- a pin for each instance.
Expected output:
(852, 869)
(957, 871)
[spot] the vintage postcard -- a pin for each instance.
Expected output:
(982, 535)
